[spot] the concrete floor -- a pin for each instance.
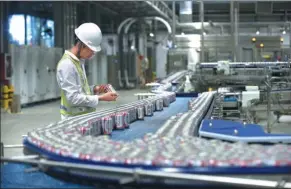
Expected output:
(13, 126)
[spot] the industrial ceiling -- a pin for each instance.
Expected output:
(116, 11)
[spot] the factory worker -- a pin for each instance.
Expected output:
(77, 97)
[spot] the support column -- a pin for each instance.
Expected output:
(154, 49)
(58, 24)
(234, 18)
(232, 30)
(173, 22)
(120, 54)
(4, 15)
(290, 36)
(202, 52)
(236, 34)
(2, 27)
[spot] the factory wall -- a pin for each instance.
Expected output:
(34, 72)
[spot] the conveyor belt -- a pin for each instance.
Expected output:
(151, 124)
(235, 131)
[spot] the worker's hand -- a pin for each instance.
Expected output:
(110, 96)
(100, 89)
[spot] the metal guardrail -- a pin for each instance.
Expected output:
(136, 175)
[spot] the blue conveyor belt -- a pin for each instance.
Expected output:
(225, 130)
(151, 124)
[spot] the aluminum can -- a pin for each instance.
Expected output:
(84, 130)
(119, 117)
(106, 130)
(113, 119)
(158, 104)
(133, 114)
(98, 127)
(166, 102)
(126, 119)
(148, 109)
(140, 112)
(161, 101)
(110, 88)
(111, 125)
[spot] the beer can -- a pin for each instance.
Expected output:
(166, 101)
(126, 119)
(140, 113)
(106, 127)
(111, 125)
(84, 130)
(110, 88)
(133, 114)
(149, 109)
(93, 127)
(161, 101)
(134, 111)
(130, 114)
(98, 126)
(84, 156)
(119, 121)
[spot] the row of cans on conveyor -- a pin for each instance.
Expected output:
(184, 124)
(156, 150)
(247, 64)
(174, 76)
(166, 84)
(104, 122)
(194, 103)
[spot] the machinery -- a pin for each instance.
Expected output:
(174, 152)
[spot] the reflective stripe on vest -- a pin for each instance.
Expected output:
(66, 108)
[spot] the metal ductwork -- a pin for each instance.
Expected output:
(185, 11)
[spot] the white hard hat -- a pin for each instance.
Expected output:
(91, 35)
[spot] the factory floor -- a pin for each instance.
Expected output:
(13, 126)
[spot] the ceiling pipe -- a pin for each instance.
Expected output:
(129, 24)
(122, 24)
(250, 23)
(158, 10)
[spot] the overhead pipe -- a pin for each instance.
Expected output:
(158, 10)
(197, 26)
(250, 23)
(122, 24)
(120, 48)
(149, 18)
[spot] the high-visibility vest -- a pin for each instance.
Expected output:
(66, 109)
